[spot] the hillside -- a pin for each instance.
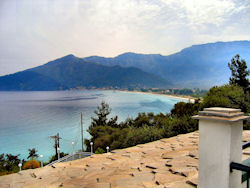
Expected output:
(196, 66)
(71, 72)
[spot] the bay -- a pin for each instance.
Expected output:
(28, 119)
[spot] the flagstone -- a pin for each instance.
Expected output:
(170, 162)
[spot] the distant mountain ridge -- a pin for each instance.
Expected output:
(201, 66)
(72, 72)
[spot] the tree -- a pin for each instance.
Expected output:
(32, 153)
(2, 158)
(185, 109)
(13, 159)
(102, 128)
(230, 96)
(102, 113)
(240, 73)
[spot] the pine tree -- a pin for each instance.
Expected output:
(102, 113)
(240, 73)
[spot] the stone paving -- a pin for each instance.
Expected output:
(170, 163)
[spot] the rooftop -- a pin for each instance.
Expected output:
(170, 162)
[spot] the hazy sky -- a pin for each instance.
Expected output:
(33, 32)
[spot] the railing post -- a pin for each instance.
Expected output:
(220, 143)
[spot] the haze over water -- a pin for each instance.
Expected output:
(27, 119)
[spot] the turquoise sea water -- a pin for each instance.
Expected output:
(27, 119)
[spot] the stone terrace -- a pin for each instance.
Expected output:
(170, 162)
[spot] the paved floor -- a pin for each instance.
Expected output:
(170, 162)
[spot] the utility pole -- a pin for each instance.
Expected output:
(56, 138)
(58, 145)
(55, 145)
(82, 130)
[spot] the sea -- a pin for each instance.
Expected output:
(28, 119)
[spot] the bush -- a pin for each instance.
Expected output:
(182, 109)
(229, 96)
(99, 151)
(183, 125)
(148, 127)
(104, 136)
(54, 157)
(142, 135)
(32, 164)
(9, 164)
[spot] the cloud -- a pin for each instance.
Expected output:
(34, 32)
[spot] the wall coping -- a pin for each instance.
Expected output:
(221, 114)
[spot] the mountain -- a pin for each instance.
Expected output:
(201, 66)
(71, 72)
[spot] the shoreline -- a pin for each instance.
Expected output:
(183, 97)
(187, 98)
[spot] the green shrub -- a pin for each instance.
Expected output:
(54, 157)
(230, 96)
(142, 135)
(99, 151)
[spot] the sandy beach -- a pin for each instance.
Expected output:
(187, 98)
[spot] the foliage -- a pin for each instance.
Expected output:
(102, 129)
(142, 135)
(230, 96)
(104, 136)
(146, 127)
(32, 153)
(196, 92)
(99, 151)
(2, 158)
(13, 159)
(102, 112)
(239, 78)
(234, 95)
(32, 164)
(185, 109)
(240, 73)
(54, 157)
(183, 125)
(9, 164)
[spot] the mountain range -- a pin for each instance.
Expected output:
(71, 72)
(200, 66)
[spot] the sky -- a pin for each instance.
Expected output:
(33, 32)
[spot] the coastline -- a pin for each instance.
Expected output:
(187, 98)
(182, 97)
